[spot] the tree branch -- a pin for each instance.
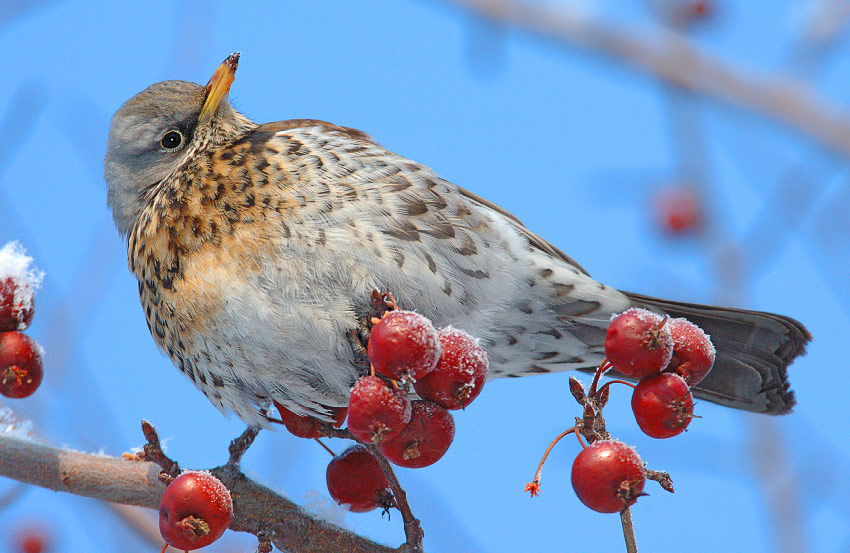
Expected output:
(670, 57)
(257, 509)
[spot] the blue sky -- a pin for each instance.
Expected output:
(573, 144)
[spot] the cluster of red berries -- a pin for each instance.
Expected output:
(21, 369)
(194, 511)
(446, 368)
(667, 356)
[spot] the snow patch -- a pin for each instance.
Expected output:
(325, 508)
(11, 425)
(15, 265)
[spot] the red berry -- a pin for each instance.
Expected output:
(306, 426)
(34, 538)
(608, 476)
(377, 412)
(693, 352)
(663, 405)
(425, 440)
(195, 510)
(355, 478)
(679, 210)
(404, 344)
(460, 373)
(21, 369)
(638, 343)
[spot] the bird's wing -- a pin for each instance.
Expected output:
(534, 239)
(442, 250)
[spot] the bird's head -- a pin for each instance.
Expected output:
(158, 129)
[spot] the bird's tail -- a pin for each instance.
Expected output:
(754, 350)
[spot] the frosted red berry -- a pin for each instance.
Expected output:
(425, 439)
(460, 373)
(304, 426)
(693, 352)
(638, 343)
(608, 476)
(195, 510)
(663, 405)
(21, 369)
(376, 410)
(355, 478)
(404, 344)
(17, 305)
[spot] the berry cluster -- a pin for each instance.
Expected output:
(21, 368)
(666, 356)
(446, 368)
(194, 511)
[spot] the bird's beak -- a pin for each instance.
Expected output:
(219, 86)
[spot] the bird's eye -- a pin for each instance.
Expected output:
(171, 140)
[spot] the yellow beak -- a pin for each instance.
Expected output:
(219, 86)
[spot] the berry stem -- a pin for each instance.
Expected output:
(580, 439)
(628, 530)
(603, 367)
(412, 528)
(534, 485)
(321, 443)
(607, 384)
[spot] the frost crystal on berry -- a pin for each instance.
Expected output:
(460, 373)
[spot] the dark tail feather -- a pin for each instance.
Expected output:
(754, 350)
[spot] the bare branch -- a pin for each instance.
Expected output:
(257, 509)
(673, 58)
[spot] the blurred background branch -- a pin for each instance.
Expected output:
(671, 57)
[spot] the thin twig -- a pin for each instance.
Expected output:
(153, 451)
(412, 527)
(240, 445)
(628, 530)
(328, 431)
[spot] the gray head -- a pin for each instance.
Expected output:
(153, 131)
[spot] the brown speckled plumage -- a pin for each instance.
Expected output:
(256, 248)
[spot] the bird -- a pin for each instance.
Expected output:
(256, 248)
